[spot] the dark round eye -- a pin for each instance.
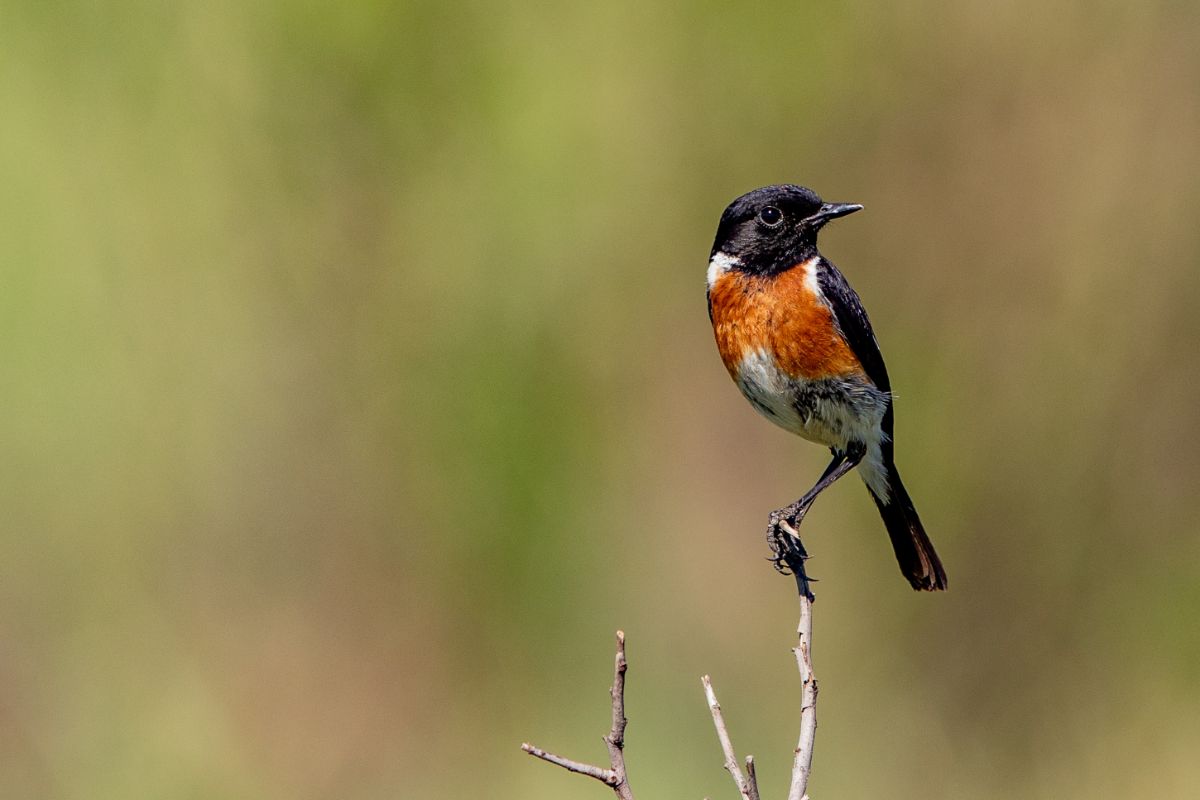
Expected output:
(770, 216)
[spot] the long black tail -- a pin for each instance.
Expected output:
(918, 560)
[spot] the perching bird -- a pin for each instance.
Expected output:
(796, 340)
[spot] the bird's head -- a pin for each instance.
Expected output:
(772, 229)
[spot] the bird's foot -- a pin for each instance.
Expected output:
(779, 541)
(783, 535)
(787, 551)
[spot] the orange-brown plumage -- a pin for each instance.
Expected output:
(783, 316)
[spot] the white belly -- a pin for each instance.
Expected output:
(770, 391)
(832, 412)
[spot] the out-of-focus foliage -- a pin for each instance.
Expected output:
(357, 385)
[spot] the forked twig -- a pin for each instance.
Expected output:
(614, 777)
(748, 787)
(747, 782)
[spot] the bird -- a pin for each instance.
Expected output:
(796, 340)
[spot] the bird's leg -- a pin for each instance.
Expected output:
(842, 463)
(788, 550)
(795, 512)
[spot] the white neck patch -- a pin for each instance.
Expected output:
(810, 277)
(719, 265)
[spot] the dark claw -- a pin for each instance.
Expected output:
(787, 551)
(780, 546)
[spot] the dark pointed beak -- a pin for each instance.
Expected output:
(830, 211)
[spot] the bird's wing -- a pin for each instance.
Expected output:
(852, 319)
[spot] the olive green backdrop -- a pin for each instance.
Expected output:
(357, 385)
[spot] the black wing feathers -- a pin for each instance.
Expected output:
(851, 317)
(918, 560)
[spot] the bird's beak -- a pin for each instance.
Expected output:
(830, 211)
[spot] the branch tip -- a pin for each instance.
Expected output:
(614, 777)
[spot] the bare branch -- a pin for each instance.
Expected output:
(616, 737)
(747, 782)
(613, 777)
(731, 762)
(802, 764)
(602, 775)
(752, 777)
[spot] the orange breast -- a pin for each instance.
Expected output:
(781, 315)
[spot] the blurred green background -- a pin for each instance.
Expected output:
(357, 385)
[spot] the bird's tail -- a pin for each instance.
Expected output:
(918, 560)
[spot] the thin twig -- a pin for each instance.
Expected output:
(802, 764)
(616, 737)
(602, 775)
(752, 776)
(615, 776)
(748, 791)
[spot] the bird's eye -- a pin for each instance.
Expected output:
(770, 216)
